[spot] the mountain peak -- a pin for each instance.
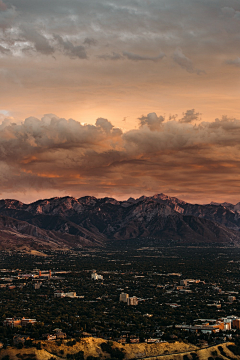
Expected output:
(88, 221)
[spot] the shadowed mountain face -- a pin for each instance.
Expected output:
(69, 223)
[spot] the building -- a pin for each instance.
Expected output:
(236, 324)
(186, 282)
(205, 328)
(60, 335)
(70, 294)
(132, 300)
(49, 336)
(210, 326)
(183, 282)
(18, 322)
(227, 324)
(61, 294)
(217, 305)
(12, 322)
(95, 276)
(45, 274)
(26, 322)
(123, 297)
(37, 285)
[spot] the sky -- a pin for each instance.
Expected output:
(120, 98)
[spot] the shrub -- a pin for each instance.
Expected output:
(39, 346)
(28, 343)
(77, 356)
(220, 348)
(115, 353)
(234, 349)
(214, 353)
(105, 346)
(71, 342)
(194, 356)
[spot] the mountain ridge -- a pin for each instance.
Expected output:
(88, 221)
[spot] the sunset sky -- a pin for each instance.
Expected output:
(120, 98)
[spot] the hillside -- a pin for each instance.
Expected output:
(72, 223)
(91, 347)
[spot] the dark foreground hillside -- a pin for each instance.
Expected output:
(93, 348)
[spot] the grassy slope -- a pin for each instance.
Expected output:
(91, 347)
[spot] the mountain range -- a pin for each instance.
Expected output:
(67, 222)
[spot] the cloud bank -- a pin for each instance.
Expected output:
(53, 153)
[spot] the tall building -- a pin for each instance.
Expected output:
(227, 324)
(132, 300)
(236, 324)
(123, 297)
(37, 285)
(184, 282)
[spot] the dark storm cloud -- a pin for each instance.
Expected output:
(227, 124)
(71, 50)
(184, 62)
(3, 7)
(235, 62)
(152, 121)
(230, 12)
(130, 56)
(189, 116)
(112, 56)
(104, 124)
(40, 42)
(90, 42)
(133, 29)
(136, 57)
(60, 153)
(3, 50)
(7, 16)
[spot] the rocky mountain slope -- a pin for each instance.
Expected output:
(69, 223)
